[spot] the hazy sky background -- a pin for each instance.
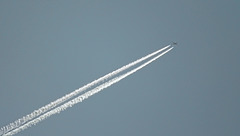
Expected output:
(50, 48)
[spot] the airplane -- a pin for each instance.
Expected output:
(174, 43)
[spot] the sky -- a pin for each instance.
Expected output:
(51, 48)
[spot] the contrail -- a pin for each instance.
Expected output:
(81, 97)
(55, 103)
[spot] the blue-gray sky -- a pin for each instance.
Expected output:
(50, 48)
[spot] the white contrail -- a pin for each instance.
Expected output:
(53, 104)
(81, 97)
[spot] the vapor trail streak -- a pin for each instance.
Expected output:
(53, 104)
(81, 97)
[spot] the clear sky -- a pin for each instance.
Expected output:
(50, 48)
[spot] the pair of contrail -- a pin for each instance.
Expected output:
(19, 125)
(55, 103)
